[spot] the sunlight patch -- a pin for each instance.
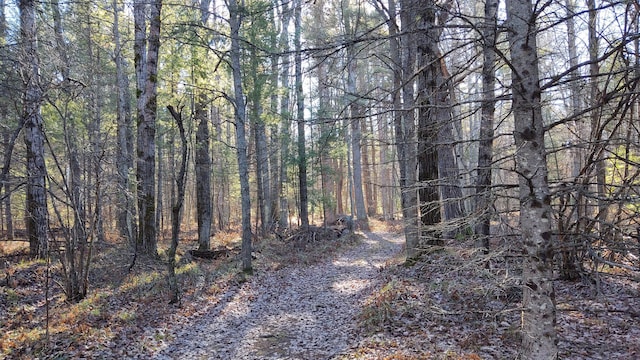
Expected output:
(350, 286)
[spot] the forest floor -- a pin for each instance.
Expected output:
(312, 296)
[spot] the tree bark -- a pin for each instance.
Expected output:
(539, 317)
(431, 101)
(37, 217)
(597, 132)
(302, 151)
(405, 131)
(484, 202)
(124, 157)
(147, 72)
(285, 121)
(9, 137)
(203, 175)
(241, 139)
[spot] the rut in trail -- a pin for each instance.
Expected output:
(293, 313)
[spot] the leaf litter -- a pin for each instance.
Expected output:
(311, 299)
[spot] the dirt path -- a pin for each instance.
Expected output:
(293, 313)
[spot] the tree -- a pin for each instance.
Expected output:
(37, 218)
(357, 114)
(236, 13)
(203, 175)
(285, 116)
(484, 170)
(9, 134)
(539, 317)
(405, 130)
(146, 63)
(302, 151)
(126, 204)
(432, 106)
(176, 210)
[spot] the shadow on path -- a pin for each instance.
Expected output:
(293, 313)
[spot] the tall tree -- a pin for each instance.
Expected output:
(327, 163)
(257, 28)
(351, 19)
(37, 217)
(204, 208)
(432, 111)
(236, 12)
(539, 339)
(405, 129)
(9, 136)
(302, 151)
(126, 209)
(487, 112)
(285, 116)
(597, 126)
(146, 54)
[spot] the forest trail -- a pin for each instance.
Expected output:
(297, 312)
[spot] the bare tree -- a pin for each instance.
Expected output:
(203, 175)
(285, 122)
(236, 13)
(9, 134)
(176, 210)
(405, 130)
(302, 151)
(539, 311)
(146, 64)
(484, 201)
(37, 217)
(126, 209)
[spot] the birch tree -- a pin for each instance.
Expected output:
(539, 312)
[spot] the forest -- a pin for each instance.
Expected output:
(341, 179)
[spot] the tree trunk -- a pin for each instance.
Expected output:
(430, 114)
(539, 339)
(203, 175)
(302, 152)
(37, 217)
(369, 193)
(484, 201)
(357, 112)
(448, 169)
(176, 210)
(327, 163)
(147, 72)
(241, 138)
(124, 157)
(597, 130)
(405, 130)
(261, 151)
(285, 121)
